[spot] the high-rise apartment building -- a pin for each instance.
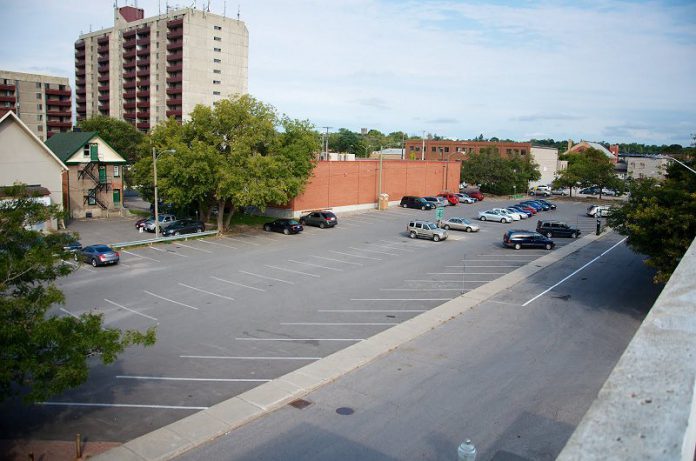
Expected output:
(42, 102)
(145, 70)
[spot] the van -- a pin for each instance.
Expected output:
(410, 201)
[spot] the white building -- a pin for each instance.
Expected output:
(547, 159)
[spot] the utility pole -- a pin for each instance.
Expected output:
(326, 142)
(423, 149)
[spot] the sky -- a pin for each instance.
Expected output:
(614, 71)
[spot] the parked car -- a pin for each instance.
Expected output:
(557, 229)
(284, 225)
(320, 219)
(475, 194)
(536, 204)
(164, 220)
(595, 210)
(559, 191)
(540, 190)
(409, 201)
(71, 244)
(518, 212)
(526, 210)
(552, 206)
(425, 229)
(514, 216)
(526, 239)
(594, 190)
(463, 198)
(183, 226)
(459, 224)
(437, 201)
(140, 223)
(452, 199)
(492, 215)
(97, 255)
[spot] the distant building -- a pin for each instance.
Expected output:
(646, 166)
(42, 102)
(612, 153)
(388, 154)
(145, 70)
(547, 159)
(432, 149)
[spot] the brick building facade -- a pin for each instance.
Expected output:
(432, 149)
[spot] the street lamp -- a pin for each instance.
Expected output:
(682, 164)
(154, 171)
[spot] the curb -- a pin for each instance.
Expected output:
(202, 427)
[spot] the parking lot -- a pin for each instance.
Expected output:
(235, 311)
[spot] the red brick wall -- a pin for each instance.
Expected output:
(345, 183)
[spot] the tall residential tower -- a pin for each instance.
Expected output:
(145, 70)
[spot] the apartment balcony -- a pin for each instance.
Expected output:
(128, 105)
(144, 61)
(12, 99)
(8, 87)
(143, 73)
(144, 52)
(103, 59)
(129, 85)
(129, 115)
(80, 45)
(173, 113)
(80, 54)
(58, 102)
(104, 49)
(143, 125)
(143, 31)
(129, 95)
(57, 92)
(130, 64)
(143, 41)
(177, 33)
(174, 23)
(80, 72)
(175, 57)
(144, 115)
(176, 90)
(177, 45)
(128, 75)
(58, 124)
(128, 44)
(103, 97)
(129, 54)
(129, 34)
(80, 62)
(175, 68)
(144, 83)
(80, 101)
(174, 79)
(103, 40)
(142, 104)
(103, 69)
(174, 102)
(104, 110)
(102, 88)
(58, 113)
(143, 94)
(103, 78)
(81, 92)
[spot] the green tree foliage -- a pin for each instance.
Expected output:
(499, 175)
(347, 141)
(237, 154)
(589, 168)
(43, 354)
(660, 218)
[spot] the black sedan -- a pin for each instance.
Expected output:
(97, 255)
(284, 225)
(183, 226)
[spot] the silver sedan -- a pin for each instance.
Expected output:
(459, 224)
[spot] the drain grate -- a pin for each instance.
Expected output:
(300, 404)
(345, 411)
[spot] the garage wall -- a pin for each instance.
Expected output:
(356, 183)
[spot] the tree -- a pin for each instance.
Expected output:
(347, 141)
(660, 219)
(499, 175)
(43, 354)
(589, 168)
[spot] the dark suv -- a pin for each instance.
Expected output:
(526, 239)
(319, 218)
(409, 201)
(557, 229)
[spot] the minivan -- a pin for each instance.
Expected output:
(410, 201)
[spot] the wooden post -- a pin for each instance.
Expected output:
(78, 447)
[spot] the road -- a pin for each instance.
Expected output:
(514, 378)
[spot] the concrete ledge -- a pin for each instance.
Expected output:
(206, 425)
(646, 408)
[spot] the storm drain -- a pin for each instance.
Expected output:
(345, 411)
(300, 404)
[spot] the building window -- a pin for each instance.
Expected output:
(434, 149)
(410, 148)
(217, 61)
(446, 149)
(217, 71)
(217, 27)
(217, 50)
(216, 93)
(39, 127)
(38, 84)
(38, 95)
(216, 82)
(523, 151)
(91, 193)
(217, 39)
(39, 117)
(117, 171)
(39, 107)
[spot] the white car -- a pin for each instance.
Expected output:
(463, 198)
(598, 210)
(513, 216)
(518, 213)
(492, 215)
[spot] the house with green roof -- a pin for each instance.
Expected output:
(94, 180)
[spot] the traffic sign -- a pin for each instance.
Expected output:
(439, 213)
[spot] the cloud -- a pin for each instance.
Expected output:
(543, 117)
(442, 121)
(376, 103)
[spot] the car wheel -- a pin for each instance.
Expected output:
(468, 229)
(412, 234)
(446, 227)
(503, 220)
(94, 262)
(322, 225)
(574, 235)
(549, 235)
(548, 246)
(403, 205)
(177, 233)
(286, 231)
(482, 218)
(423, 208)
(436, 238)
(517, 246)
(200, 229)
(267, 228)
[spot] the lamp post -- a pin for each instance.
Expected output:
(154, 173)
(682, 164)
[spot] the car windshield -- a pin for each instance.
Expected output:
(430, 226)
(465, 221)
(420, 200)
(292, 222)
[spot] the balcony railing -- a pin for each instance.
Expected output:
(103, 97)
(130, 64)
(129, 85)
(175, 79)
(103, 69)
(103, 40)
(143, 41)
(128, 34)
(128, 105)
(58, 124)
(129, 54)
(173, 113)
(57, 92)
(58, 113)
(80, 54)
(128, 44)
(143, 125)
(129, 74)
(178, 33)
(80, 72)
(144, 52)
(103, 49)
(103, 78)
(143, 94)
(144, 115)
(174, 23)
(129, 95)
(80, 101)
(174, 102)
(58, 102)
(177, 45)
(176, 90)
(143, 73)
(7, 87)
(80, 45)
(81, 91)
(175, 68)
(129, 115)
(175, 56)
(141, 104)
(103, 59)
(145, 30)
(12, 99)
(144, 83)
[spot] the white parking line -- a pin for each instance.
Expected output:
(218, 244)
(241, 240)
(170, 300)
(459, 273)
(170, 378)
(300, 339)
(400, 299)
(70, 313)
(408, 250)
(130, 310)
(336, 260)
(265, 277)
(374, 251)
(292, 271)
(193, 248)
(354, 256)
(373, 310)
(167, 251)
(508, 255)
(225, 357)
(340, 324)
(206, 292)
(235, 283)
(315, 265)
(120, 405)
(140, 256)
(484, 261)
(575, 272)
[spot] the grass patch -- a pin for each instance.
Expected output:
(141, 213)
